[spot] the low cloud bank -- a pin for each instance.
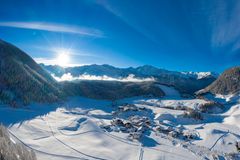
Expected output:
(129, 78)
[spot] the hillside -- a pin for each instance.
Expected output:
(10, 150)
(227, 83)
(111, 90)
(22, 79)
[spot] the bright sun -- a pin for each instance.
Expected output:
(63, 58)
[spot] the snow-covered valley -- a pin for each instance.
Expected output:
(136, 128)
(147, 114)
(120, 80)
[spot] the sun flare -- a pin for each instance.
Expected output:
(63, 58)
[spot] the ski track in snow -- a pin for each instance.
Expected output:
(65, 144)
(42, 152)
(218, 140)
(76, 120)
(129, 142)
(141, 153)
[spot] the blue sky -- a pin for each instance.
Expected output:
(183, 35)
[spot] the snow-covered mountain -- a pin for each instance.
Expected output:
(201, 75)
(22, 79)
(183, 81)
(111, 71)
(227, 83)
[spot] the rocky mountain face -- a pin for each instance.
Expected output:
(184, 82)
(227, 83)
(22, 79)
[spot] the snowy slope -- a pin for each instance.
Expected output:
(74, 134)
(72, 130)
(169, 91)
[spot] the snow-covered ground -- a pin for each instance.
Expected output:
(169, 91)
(73, 130)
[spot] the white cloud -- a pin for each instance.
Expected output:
(130, 78)
(52, 27)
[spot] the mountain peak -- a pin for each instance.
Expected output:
(201, 75)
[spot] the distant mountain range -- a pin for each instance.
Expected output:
(185, 82)
(111, 71)
(22, 80)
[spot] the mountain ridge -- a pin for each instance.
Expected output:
(22, 79)
(185, 83)
(227, 83)
(144, 70)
